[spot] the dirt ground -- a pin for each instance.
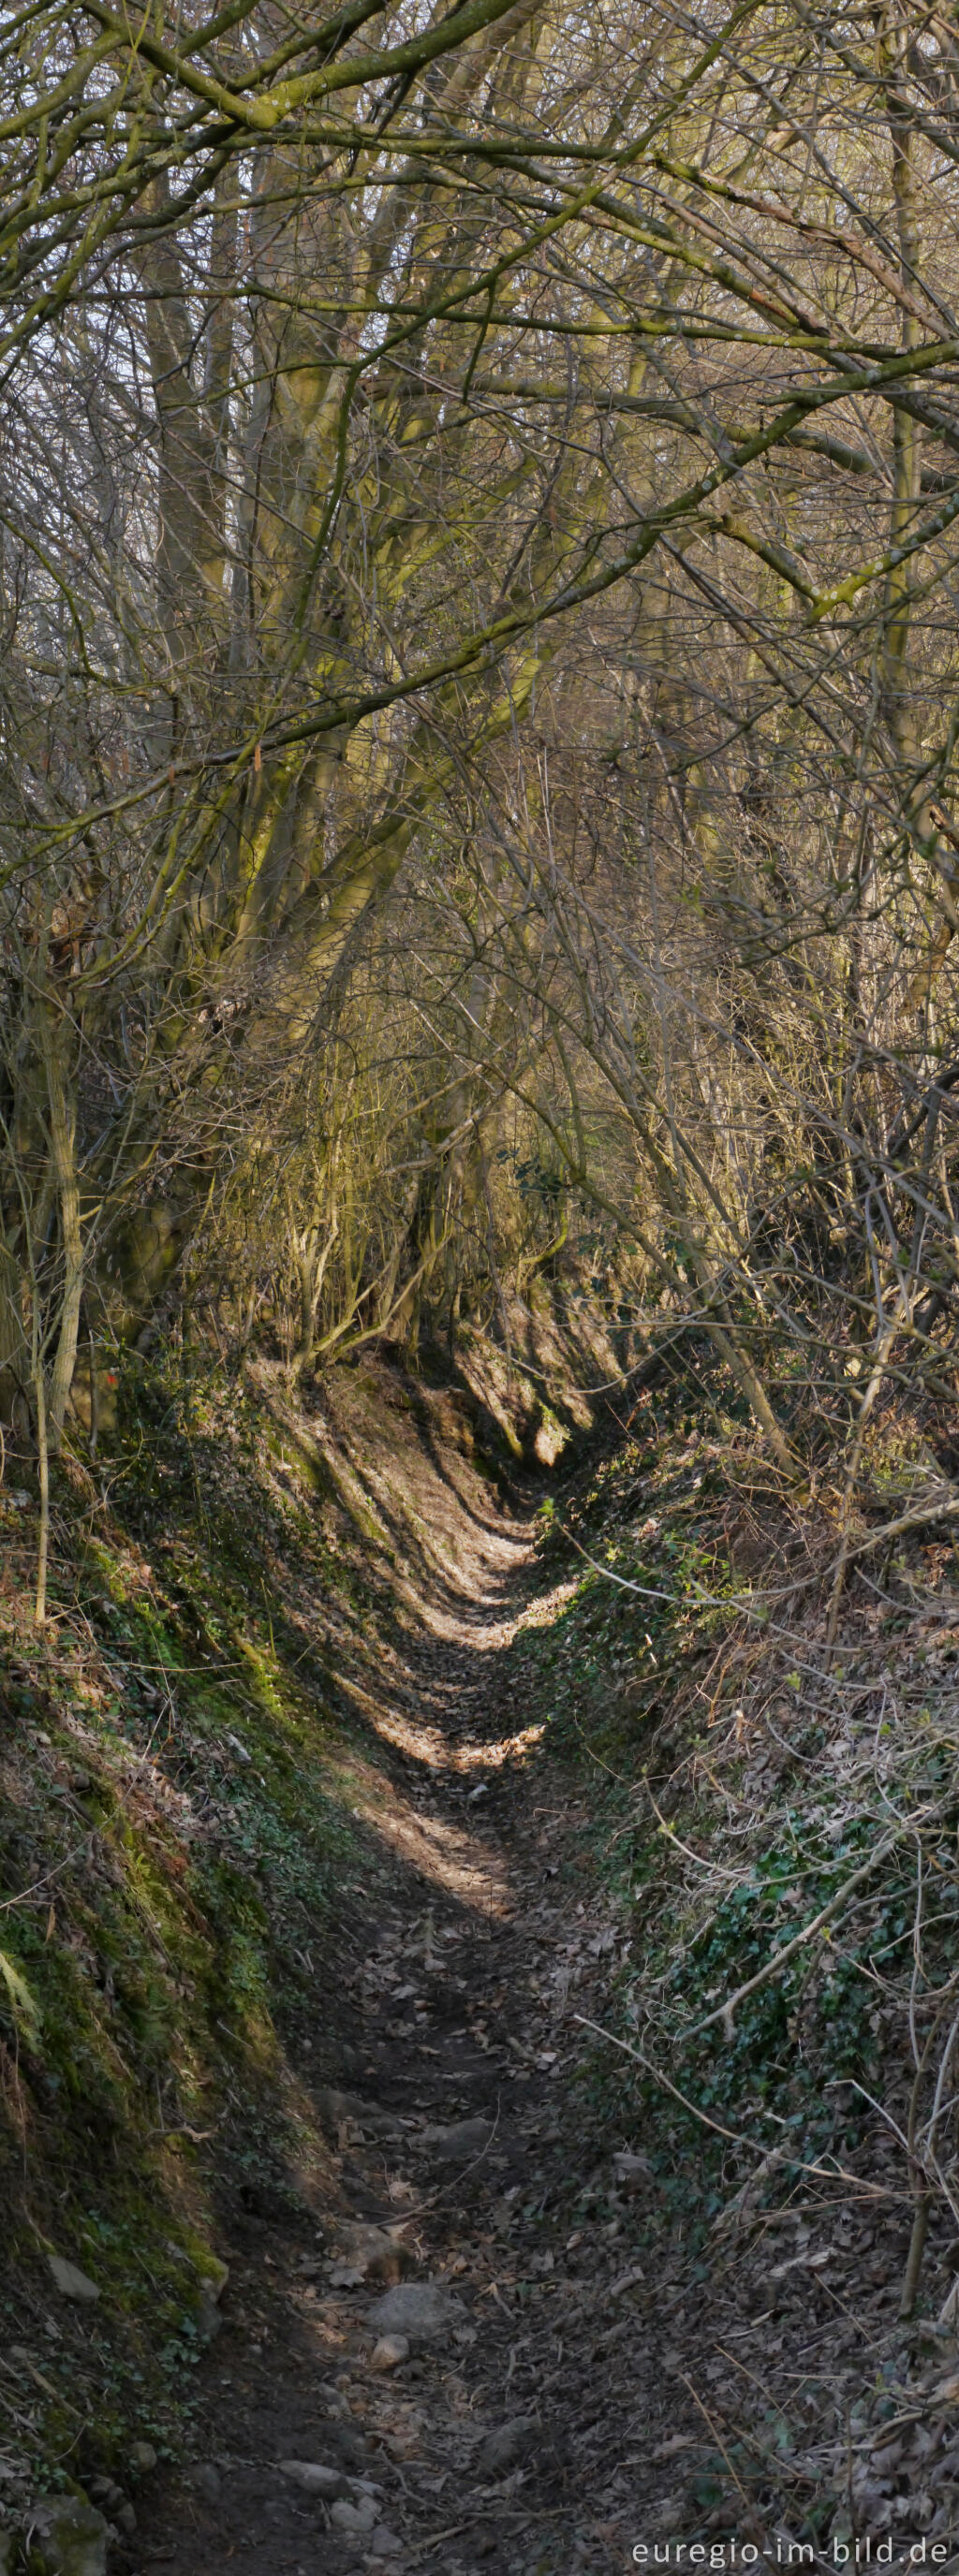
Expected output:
(507, 2436)
(475, 2341)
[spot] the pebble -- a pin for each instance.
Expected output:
(205, 2481)
(143, 2458)
(384, 2543)
(504, 2448)
(369, 2254)
(463, 2144)
(334, 2401)
(207, 2318)
(334, 2108)
(313, 2477)
(71, 2282)
(422, 2311)
(354, 2520)
(69, 2537)
(105, 2491)
(389, 2352)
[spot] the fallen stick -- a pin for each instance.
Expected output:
(725, 2012)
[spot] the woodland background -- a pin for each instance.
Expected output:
(478, 593)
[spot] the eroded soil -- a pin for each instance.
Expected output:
(590, 2359)
(510, 2440)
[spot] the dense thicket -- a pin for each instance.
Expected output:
(478, 596)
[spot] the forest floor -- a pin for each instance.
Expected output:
(593, 2357)
(514, 2434)
(381, 1801)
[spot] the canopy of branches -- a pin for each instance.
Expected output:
(480, 494)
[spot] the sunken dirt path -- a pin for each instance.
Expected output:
(466, 2186)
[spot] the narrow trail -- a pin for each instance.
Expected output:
(469, 2211)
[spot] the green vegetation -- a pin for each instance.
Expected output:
(180, 1829)
(733, 1799)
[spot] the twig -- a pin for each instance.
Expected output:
(48, 2387)
(724, 2012)
(944, 1507)
(656, 2072)
(713, 2429)
(451, 2533)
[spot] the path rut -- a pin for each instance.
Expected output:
(508, 2439)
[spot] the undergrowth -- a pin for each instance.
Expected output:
(740, 1777)
(770, 1822)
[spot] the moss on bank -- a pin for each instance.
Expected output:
(191, 1792)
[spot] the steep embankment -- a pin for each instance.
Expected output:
(770, 1759)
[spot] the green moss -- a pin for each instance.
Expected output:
(188, 1828)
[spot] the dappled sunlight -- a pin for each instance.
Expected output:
(444, 1855)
